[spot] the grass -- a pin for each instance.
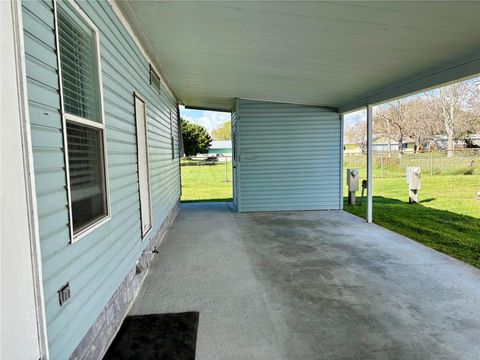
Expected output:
(207, 183)
(446, 219)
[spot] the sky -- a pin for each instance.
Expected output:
(209, 119)
(355, 117)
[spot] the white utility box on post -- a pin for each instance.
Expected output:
(352, 182)
(414, 183)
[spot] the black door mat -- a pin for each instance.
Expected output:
(156, 336)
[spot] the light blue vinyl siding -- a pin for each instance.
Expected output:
(96, 264)
(288, 157)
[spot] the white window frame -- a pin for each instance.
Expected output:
(66, 117)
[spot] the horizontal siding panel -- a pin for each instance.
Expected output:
(42, 93)
(44, 115)
(48, 159)
(42, 10)
(285, 127)
(47, 136)
(41, 29)
(46, 74)
(252, 154)
(43, 52)
(289, 157)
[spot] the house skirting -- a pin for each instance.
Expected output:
(100, 335)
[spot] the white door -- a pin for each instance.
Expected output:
(234, 165)
(142, 160)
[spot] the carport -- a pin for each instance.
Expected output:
(290, 70)
(290, 283)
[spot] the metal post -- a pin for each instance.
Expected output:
(342, 120)
(369, 162)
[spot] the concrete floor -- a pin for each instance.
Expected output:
(311, 285)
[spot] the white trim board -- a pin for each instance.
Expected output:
(22, 298)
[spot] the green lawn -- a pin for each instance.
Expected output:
(207, 183)
(446, 219)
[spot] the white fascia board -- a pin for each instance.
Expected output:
(454, 73)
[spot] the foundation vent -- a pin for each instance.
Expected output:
(64, 294)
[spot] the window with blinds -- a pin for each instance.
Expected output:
(83, 119)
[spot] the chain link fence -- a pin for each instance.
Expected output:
(463, 162)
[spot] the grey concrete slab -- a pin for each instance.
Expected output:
(311, 285)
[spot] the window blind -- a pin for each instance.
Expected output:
(85, 161)
(78, 56)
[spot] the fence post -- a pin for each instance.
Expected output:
(226, 169)
(431, 162)
(381, 165)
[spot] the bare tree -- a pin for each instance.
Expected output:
(392, 122)
(422, 122)
(357, 134)
(382, 126)
(452, 105)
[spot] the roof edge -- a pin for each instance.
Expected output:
(457, 72)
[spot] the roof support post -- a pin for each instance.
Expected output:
(342, 125)
(369, 162)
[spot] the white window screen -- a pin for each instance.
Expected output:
(83, 117)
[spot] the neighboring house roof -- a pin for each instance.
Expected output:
(227, 144)
(380, 140)
(444, 137)
(383, 140)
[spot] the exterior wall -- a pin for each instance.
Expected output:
(288, 157)
(97, 265)
(102, 332)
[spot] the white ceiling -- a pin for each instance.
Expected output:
(337, 54)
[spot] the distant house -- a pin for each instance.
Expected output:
(221, 147)
(442, 143)
(380, 144)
